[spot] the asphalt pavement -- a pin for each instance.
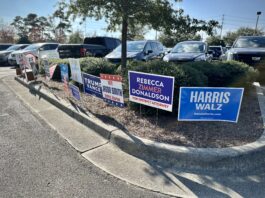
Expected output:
(36, 162)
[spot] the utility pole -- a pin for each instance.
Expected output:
(85, 28)
(258, 13)
(223, 18)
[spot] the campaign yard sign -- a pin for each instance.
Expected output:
(75, 70)
(112, 89)
(75, 91)
(151, 90)
(209, 104)
(92, 85)
(46, 68)
(64, 72)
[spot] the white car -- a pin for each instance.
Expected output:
(39, 50)
(5, 53)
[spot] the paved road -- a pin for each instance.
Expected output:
(36, 162)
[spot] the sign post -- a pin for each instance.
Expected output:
(209, 104)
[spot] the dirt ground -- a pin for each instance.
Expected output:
(168, 130)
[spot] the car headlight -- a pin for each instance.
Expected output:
(230, 55)
(4, 54)
(166, 59)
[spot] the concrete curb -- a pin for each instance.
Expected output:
(141, 147)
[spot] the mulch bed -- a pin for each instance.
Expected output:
(168, 130)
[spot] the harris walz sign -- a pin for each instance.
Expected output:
(209, 104)
(152, 90)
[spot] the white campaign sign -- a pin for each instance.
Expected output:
(75, 70)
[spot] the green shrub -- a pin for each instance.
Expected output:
(196, 74)
(224, 74)
(95, 66)
(184, 76)
(90, 65)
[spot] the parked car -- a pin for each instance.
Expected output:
(138, 51)
(4, 46)
(42, 49)
(4, 54)
(188, 51)
(218, 51)
(80, 50)
(108, 44)
(248, 49)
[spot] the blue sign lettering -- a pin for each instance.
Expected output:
(152, 90)
(209, 104)
(92, 85)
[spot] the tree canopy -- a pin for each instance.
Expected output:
(183, 27)
(215, 40)
(36, 28)
(230, 37)
(123, 12)
(76, 37)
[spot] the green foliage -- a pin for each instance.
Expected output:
(196, 74)
(183, 27)
(184, 76)
(95, 66)
(90, 65)
(215, 40)
(76, 37)
(23, 40)
(123, 13)
(230, 37)
(36, 28)
(225, 74)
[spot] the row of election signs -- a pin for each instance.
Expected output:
(195, 103)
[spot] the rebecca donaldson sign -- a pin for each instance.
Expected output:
(209, 104)
(151, 90)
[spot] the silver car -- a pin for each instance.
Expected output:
(5, 53)
(189, 51)
(35, 49)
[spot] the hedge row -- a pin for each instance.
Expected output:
(197, 74)
(89, 65)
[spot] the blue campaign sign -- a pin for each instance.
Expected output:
(75, 91)
(151, 90)
(64, 72)
(92, 85)
(209, 104)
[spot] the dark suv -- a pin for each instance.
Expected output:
(4, 46)
(138, 51)
(79, 50)
(248, 49)
(107, 44)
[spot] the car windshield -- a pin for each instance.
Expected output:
(133, 46)
(13, 47)
(32, 47)
(251, 42)
(189, 48)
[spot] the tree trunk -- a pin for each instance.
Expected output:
(124, 44)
